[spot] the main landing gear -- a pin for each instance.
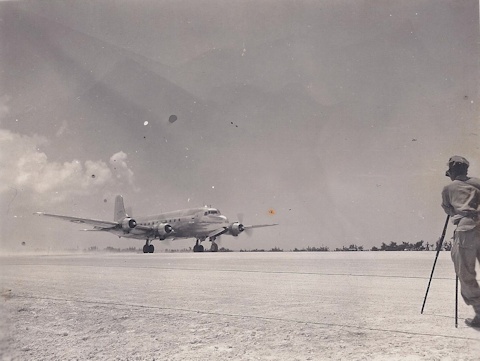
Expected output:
(199, 248)
(148, 248)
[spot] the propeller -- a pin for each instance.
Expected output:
(248, 231)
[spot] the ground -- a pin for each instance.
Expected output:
(232, 306)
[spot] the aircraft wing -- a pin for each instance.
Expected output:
(260, 225)
(139, 231)
(218, 232)
(229, 230)
(93, 222)
(139, 227)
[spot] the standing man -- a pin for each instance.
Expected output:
(461, 200)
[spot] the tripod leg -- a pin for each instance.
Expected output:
(456, 302)
(435, 262)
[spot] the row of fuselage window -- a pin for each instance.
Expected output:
(175, 220)
(158, 222)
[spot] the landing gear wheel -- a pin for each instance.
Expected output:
(151, 249)
(214, 247)
(145, 249)
(198, 248)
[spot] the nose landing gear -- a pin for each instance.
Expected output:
(199, 248)
(214, 246)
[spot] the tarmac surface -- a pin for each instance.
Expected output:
(232, 306)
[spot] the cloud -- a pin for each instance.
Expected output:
(118, 161)
(26, 168)
(62, 129)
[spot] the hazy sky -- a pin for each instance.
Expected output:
(338, 115)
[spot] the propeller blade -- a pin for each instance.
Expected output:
(240, 217)
(247, 230)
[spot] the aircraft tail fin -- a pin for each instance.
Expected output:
(119, 212)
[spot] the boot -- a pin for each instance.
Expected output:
(473, 322)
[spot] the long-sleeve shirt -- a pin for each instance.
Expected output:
(461, 200)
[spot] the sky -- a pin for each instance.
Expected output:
(334, 119)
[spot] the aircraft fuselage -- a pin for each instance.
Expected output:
(188, 223)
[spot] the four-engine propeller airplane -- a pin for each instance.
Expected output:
(200, 223)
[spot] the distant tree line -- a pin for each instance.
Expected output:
(312, 249)
(114, 250)
(274, 249)
(392, 246)
(418, 246)
(352, 247)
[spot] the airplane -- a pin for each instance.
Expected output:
(199, 223)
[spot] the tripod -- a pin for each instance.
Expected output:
(433, 269)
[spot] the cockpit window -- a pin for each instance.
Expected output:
(212, 211)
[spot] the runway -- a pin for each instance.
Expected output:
(238, 306)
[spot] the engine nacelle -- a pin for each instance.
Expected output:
(161, 230)
(128, 224)
(236, 228)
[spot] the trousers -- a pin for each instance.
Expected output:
(465, 252)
